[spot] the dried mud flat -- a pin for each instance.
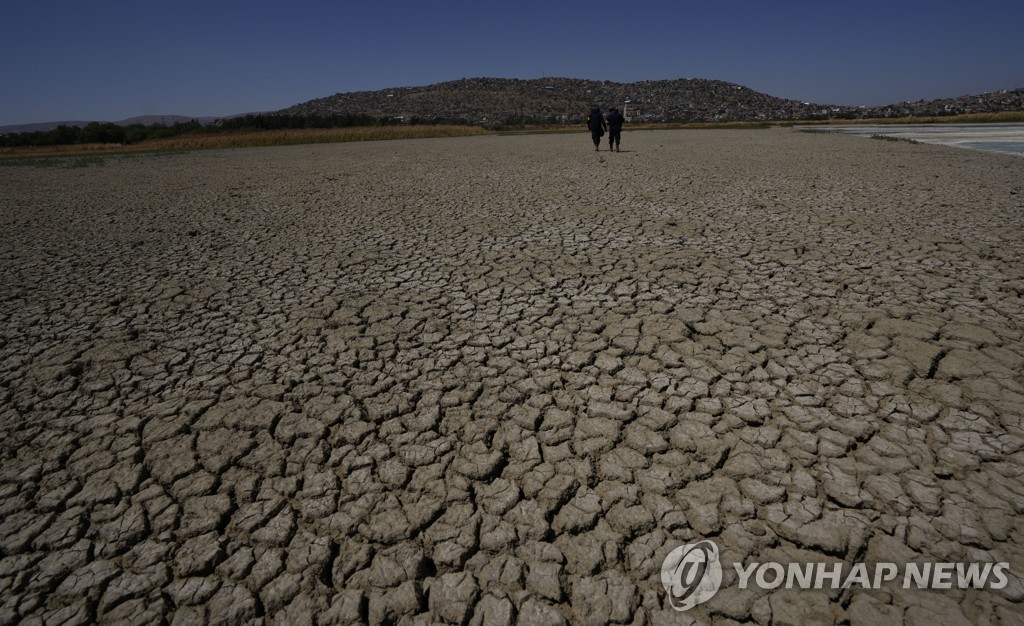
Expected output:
(496, 380)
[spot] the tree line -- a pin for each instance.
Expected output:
(107, 132)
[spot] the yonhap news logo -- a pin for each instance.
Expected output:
(692, 574)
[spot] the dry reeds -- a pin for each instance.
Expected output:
(252, 139)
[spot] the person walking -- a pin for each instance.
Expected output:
(614, 121)
(597, 126)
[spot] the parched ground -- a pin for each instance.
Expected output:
(497, 380)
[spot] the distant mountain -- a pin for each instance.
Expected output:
(41, 127)
(145, 120)
(166, 120)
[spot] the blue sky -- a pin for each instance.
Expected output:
(109, 60)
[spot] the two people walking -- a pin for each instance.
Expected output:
(598, 124)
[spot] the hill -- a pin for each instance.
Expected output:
(1005, 100)
(38, 127)
(567, 100)
(497, 101)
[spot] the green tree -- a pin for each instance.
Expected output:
(95, 132)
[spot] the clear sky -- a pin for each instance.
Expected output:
(114, 59)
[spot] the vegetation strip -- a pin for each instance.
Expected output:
(277, 130)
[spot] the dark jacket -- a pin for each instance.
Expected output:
(595, 121)
(615, 120)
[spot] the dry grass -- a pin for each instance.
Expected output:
(68, 150)
(252, 139)
(309, 135)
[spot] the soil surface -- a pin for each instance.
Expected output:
(497, 380)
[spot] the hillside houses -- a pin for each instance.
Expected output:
(1005, 100)
(567, 101)
(564, 100)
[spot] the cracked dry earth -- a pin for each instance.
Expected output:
(496, 380)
